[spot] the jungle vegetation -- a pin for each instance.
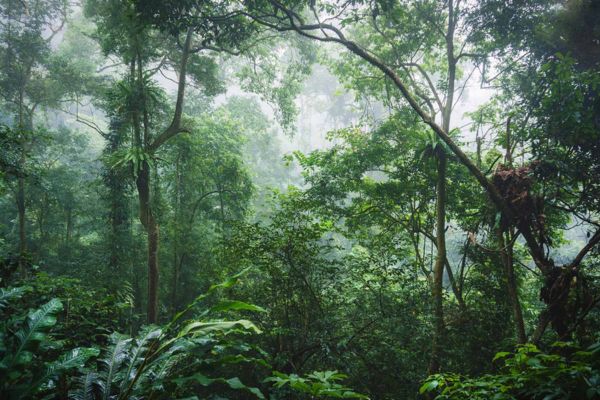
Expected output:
(300, 199)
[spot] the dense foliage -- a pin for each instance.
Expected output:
(400, 199)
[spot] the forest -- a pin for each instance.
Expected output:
(300, 199)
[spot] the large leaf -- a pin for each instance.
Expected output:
(195, 328)
(233, 383)
(235, 305)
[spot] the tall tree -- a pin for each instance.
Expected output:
(313, 20)
(127, 33)
(28, 29)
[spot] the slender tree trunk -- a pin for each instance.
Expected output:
(143, 141)
(438, 271)
(21, 188)
(68, 234)
(151, 226)
(478, 151)
(69, 227)
(176, 221)
(22, 232)
(119, 212)
(143, 188)
(175, 284)
(506, 255)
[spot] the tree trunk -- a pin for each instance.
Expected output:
(22, 232)
(151, 226)
(506, 255)
(119, 220)
(438, 271)
(69, 226)
(175, 284)
(176, 222)
(143, 178)
(68, 234)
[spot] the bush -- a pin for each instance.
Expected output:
(528, 374)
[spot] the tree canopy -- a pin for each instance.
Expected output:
(289, 199)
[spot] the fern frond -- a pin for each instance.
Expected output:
(114, 360)
(34, 333)
(86, 384)
(74, 359)
(141, 346)
(9, 294)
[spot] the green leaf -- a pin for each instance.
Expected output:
(234, 305)
(38, 322)
(500, 355)
(194, 328)
(429, 386)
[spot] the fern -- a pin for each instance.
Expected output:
(86, 385)
(73, 360)
(141, 347)
(38, 323)
(114, 360)
(9, 294)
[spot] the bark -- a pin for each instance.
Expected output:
(543, 321)
(68, 234)
(22, 232)
(438, 271)
(478, 151)
(176, 222)
(151, 226)
(21, 189)
(441, 257)
(506, 256)
(142, 139)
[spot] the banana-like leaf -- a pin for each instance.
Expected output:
(235, 305)
(229, 282)
(194, 328)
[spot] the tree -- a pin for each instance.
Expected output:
(26, 37)
(129, 35)
(309, 20)
(210, 190)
